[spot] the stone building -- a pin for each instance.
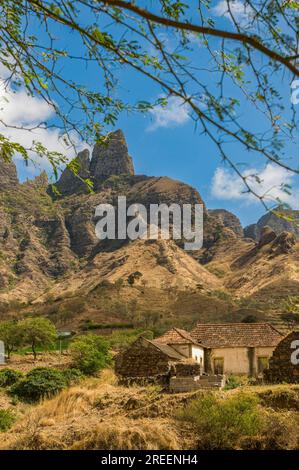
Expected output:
(147, 360)
(236, 348)
(199, 359)
(174, 360)
(284, 364)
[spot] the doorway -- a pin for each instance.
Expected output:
(218, 365)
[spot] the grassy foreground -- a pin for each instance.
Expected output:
(99, 414)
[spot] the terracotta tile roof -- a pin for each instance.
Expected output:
(219, 335)
(168, 350)
(176, 336)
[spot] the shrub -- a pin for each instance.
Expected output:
(72, 376)
(234, 381)
(222, 423)
(9, 377)
(6, 420)
(90, 353)
(41, 382)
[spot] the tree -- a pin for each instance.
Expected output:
(90, 353)
(11, 336)
(37, 332)
(250, 53)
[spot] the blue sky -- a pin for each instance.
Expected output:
(166, 142)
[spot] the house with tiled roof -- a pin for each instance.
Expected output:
(209, 350)
(236, 348)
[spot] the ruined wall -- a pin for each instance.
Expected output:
(281, 368)
(142, 359)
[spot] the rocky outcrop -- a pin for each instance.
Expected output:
(284, 243)
(71, 183)
(267, 236)
(287, 222)
(252, 231)
(110, 158)
(228, 220)
(283, 365)
(8, 175)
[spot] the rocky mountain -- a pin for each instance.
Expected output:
(287, 220)
(228, 220)
(109, 158)
(50, 257)
(8, 175)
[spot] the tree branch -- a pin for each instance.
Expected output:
(240, 37)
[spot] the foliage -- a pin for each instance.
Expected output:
(235, 381)
(39, 383)
(9, 377)
(37, 332)
(6, 420)
(121, 339)
(11, 336)
(221, 423)
(72, 376)
(250, 319)
(90, 353)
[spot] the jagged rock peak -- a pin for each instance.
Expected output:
(69, 183)
(108, 158)
(277, 223)
(228, 219)
(111, 158)
(8, 175)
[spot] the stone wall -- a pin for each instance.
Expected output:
(281, 368)
(187, 370)
(188, 384)
(142, 359)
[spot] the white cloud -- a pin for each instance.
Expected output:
(241, 11)
(20, 112)
(228, 185)
(173, 115)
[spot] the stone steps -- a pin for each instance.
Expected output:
(204, 382)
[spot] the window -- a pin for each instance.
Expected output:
(218, 365)
(262, 364)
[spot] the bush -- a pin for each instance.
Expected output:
(90, 353)
(6, 420)
(222, 423)
(234, 381)
(39, 383)
(9, 377)
(72, 376)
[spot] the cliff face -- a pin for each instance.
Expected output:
(8, 175)
(70, 183)
(228, 220)
(278, 224)
(108, 159)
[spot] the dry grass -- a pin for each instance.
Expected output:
(98, 414)
(25, 363)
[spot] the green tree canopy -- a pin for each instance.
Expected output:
(10, 334)
(37, 332)
(253, 55)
